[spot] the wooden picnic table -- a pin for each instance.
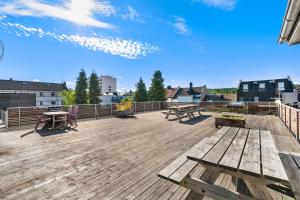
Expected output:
(180, 110)
(57, 116)
(246, 154)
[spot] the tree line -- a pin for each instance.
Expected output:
(88, 90)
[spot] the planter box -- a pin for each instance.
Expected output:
(220, 121)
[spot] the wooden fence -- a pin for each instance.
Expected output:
(290, 117)
(19, 116)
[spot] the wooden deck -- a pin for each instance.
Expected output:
(111, 158)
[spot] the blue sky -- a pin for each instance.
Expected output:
(212, 42)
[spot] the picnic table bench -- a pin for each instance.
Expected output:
(246, 154)
(181, 110)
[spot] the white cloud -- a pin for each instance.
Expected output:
(36, 80)
(224, 4)
(132, 15)
(116, 46)
(180, 26)
(76, 11)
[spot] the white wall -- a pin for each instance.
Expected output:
(46, 100)
(189, 98)
(108, 84)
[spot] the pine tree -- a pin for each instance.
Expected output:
(81, 96)
(157, 90)
(94, 89)
(140, 94)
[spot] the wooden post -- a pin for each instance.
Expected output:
(284, 115)
(19, 116)
(134, 107)
(95, 110)
(247, 107)
(152, 105)
(297, 126)
(111, 109)
(159, 105)
(144, 106)
(6, 118)
(290, 119)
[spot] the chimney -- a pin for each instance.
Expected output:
(191, 87)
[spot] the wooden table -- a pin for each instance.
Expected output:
(246, 154)
(180, 110)
(57, 114)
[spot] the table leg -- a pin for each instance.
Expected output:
(168, 113)
(209, 176)
(258, 191)
(53, 121)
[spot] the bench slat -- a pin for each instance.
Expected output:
(272, 167)
(184, 165)
(292, 172)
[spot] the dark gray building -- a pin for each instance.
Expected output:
(263, 90)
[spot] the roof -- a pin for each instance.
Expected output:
(290, 31)
(171, 92)
(195, 91)
(30, 86)
(266, 80)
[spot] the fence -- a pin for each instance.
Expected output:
(290, 117)
(19, 116)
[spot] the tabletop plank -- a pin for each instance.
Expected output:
(216, 153)
(250, 161)
(272, 167)
(206, 144)
(232, 157)
(55, 113)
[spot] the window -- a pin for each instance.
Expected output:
(262, 86)
(281, 86)
(53, 102)
(256, 99)
(245, 87)
(42, 94)
(53, 94)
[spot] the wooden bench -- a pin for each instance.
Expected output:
(291, 163)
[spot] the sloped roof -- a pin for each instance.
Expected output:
(30, 86)
(171, 92)
(195, 91)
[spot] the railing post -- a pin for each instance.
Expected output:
(95, 110)
(152, 105)
(290, 119)
(111, 109)
(284, 115)
(297, 126)
(247, 106)
(144, 106)
(159, 105)
(19, 116)
(134, 107)
(6, 118)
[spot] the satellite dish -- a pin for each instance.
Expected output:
(1, 50)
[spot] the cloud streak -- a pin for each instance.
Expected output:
(129, 49)
(132, 15)
(224, 4)
(180, 26)
(76, 11)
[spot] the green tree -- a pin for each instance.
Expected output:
(157, 90)
(81, 96)
(68, 97)
(94, 89)
(140, 94)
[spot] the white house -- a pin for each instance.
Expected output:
(187, 95)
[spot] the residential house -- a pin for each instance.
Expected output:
(264, 90)
(190, 94)
(28, 93)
